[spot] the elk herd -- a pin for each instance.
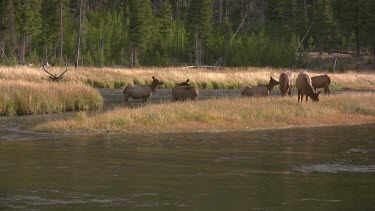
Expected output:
(305, 85)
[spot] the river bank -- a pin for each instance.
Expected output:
(238, 114)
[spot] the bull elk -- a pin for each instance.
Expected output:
(56, 78)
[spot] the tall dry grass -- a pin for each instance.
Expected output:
(227, 78)
(224, 114)
(21, 97)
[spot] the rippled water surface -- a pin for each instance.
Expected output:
(322, 168)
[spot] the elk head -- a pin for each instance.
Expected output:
(56, 78)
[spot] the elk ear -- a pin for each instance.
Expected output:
(187, 80)
(153, 77)
(318, 92)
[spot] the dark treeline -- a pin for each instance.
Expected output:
(182, 32)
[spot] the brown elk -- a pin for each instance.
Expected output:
(141, 92)
(304, 87)
(285, 81)
(259, 91)
(56, 78)
(183, 91)
(321, 81)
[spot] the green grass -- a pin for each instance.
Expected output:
(223, 114)
(20, 98)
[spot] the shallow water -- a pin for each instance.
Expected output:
(115, 98)
(321, 168)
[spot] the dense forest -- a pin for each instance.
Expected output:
(182, 32)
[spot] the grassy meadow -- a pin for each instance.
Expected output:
(226, 78)
(223, 115)
(24, 97)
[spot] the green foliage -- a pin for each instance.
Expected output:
(164, 33)
(28, 16)
(258, 50)
(139, 18)
(34, 58)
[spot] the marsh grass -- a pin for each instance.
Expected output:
(227, 78)
(20, 97)
(223, 114)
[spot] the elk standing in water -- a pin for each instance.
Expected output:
(259, 91)
(285, 81)
(304, 87)
(183, 91)
(141, 92)
(321, 81)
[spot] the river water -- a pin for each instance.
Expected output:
(319, 168)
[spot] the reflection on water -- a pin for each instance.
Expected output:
(336, 168)
(323, 168)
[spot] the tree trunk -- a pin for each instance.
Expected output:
(61, 31)
(198, 51)
(357, 43)
(226, 8)
(220, 12)
(135, 56)
(321, 46)
(177, 30)
(131, 62)
(226, 51)
(79, 29)
(305, 11)
(22, 47)
(2, 46)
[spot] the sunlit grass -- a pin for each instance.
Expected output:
(227, 78)
(21, 97)
(223, 114)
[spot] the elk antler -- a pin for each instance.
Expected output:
(51, 75)
(55, 77)
(66, 69)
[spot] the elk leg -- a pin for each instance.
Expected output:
(299, 94)
(306, 98)
(326, 90)
(126, 98)
(145, 99)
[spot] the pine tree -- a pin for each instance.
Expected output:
(323, 23)
(28, 21)
(81, 6)
(3, 28)
(165, 27)
(139, 18)
(198, 27)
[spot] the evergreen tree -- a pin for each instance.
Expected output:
(3, 28)
(323, 23)
(165, 30)
(28, 22)
(139, 18)
(198, 27)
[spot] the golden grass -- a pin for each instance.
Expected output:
(223, 114)
(203, 78)
(20, 97)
